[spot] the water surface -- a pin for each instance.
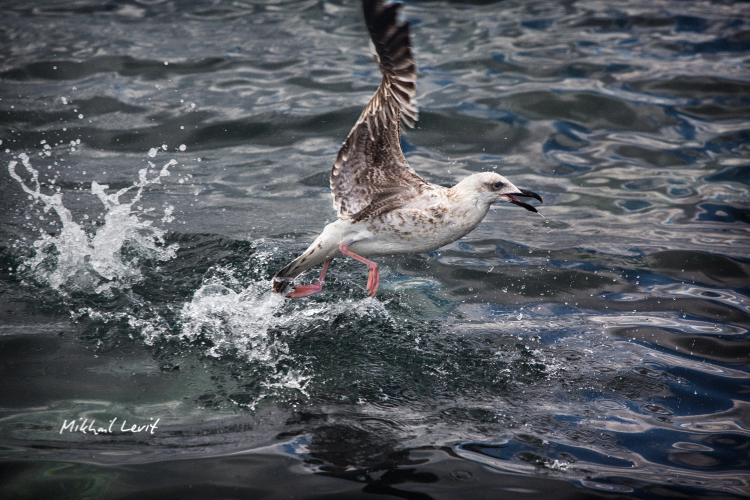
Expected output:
(161, 161)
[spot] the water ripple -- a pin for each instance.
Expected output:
(605, 344)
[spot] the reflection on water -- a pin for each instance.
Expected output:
(158, 177)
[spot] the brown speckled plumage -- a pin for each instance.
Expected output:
(371, 175)
(383, 206)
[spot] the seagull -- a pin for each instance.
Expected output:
(384, 207)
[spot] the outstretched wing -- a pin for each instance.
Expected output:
(371, 175)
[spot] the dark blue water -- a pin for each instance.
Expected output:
(162, 160)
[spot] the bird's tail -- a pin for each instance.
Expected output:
(287, 274)
(325, 247)
(292, 270)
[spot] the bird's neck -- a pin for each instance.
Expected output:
(467, 203)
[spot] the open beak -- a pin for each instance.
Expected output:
(518, 202)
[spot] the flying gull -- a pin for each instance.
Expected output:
(384, 207)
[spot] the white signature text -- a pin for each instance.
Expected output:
(86, 426)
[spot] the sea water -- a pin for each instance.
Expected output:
(159, 176)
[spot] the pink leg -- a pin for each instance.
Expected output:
(305, 290)
(373, 279)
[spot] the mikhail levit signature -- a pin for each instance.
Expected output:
(86, 426)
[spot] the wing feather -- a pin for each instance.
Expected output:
(371, 175)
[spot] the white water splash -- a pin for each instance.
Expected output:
(240, 323)
(73, 260)
(255, 324)
(227, 315)
(232, 320)
(242, 320)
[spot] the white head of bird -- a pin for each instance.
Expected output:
(487, 188)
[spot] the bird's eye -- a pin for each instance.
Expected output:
(497, 185)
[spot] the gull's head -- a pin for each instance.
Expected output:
(489, 188)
